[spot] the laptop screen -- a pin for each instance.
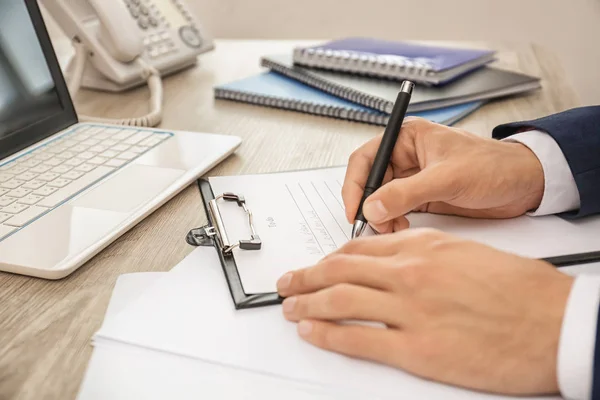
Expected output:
(28, 93)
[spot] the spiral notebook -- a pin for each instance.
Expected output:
(275, 90)
(394, 60)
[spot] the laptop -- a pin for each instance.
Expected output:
(68, 189)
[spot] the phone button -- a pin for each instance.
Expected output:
(190, 36)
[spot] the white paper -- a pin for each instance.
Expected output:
(191, 314)
(123, 372)
(128, 288)
(300, 218)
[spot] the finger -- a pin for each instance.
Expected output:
(409, 240)
(448, 209)
(355, 180)
(395, 225)
(369, 343)
(345, 302)
(333, 270)
(400, 196)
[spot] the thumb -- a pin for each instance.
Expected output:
(400, 196)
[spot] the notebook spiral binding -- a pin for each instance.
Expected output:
(347, 93)
(389, 66)
(302, 106)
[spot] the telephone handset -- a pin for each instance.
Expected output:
(125, 43)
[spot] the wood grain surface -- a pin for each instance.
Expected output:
(46, 326)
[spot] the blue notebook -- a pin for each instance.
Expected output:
(274, 90)
(395, 60)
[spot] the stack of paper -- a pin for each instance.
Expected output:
(176, 335)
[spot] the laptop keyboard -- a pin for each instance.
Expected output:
(47, 176)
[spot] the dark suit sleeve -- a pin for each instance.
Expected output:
(577, 132)
(596, 373)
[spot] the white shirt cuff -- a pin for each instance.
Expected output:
(578, 339)
(560, 190)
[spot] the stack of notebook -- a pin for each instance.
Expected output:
(358, 79)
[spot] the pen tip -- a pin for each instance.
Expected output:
(358, 228)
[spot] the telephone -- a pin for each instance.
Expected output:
(121, 44)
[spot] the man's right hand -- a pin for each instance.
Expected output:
(443, 170)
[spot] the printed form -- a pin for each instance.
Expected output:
(300, 218)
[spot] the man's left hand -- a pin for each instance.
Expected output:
(452, 310)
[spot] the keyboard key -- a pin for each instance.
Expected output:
(115, 162)
(97, 161)
(97, 149)
(120, 148)
(6, 230)
(48, 176)
(17, 169)
(109, 143)
(75, 187)
(30, 199)
(61, 169)
(86, 155)
(109, 154)
(138, 137)
(137, 149)
(5, 177)
(127, 155)
(74, 162)
(85, 167)
(26, 216)
(43, 156)
(27, 176)
(65, 155)
(104, 134)
(32, 162)
(34, 184)
(45, 191)
(14, 208)
(18, 193)
(12, 184)
(53, 162)
(90, 142)
(60, 182)
(40, 169)
(4, 217)
(72, 175)
(4, 201)
(124, 134)
(151, 141)
(79, 148)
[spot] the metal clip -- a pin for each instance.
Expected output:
(201, 236)
(204, 236)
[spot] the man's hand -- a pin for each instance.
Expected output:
(454, 311)
(444, 170)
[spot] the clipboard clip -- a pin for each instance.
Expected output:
(208, 235)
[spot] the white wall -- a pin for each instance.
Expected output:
(571, 28)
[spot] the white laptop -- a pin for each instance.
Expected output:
(69, 189)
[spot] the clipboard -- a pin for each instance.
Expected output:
(215, 234)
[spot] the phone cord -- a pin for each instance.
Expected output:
(149, 73)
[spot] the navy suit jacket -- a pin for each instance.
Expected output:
(577, 133)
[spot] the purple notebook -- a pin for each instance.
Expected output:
(396, 60)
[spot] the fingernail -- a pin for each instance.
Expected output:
(289, 304)
(285, 281)
(375, 211)
(305, 328)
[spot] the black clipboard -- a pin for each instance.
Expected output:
(209, 235)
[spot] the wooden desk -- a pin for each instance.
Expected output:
(45, 326)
